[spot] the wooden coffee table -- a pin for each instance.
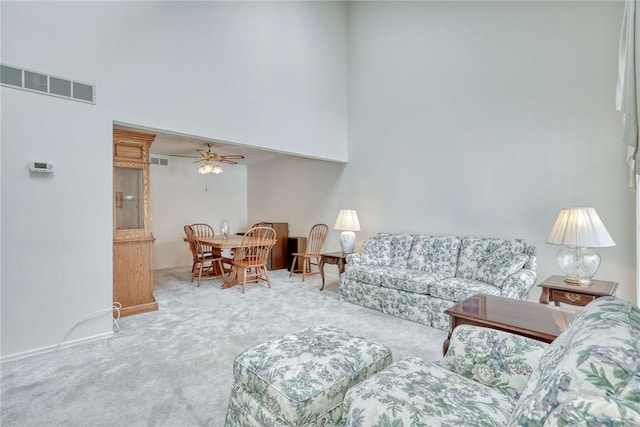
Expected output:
(537, 321)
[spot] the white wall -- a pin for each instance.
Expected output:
(301, 192)
(180, 195)
(477, 119)
(488, 118)
(267, 74)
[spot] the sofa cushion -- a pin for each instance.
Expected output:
(596, 357)
(494, 358)
(434, 254)
(367, 274)
(400, 246)
(414, 392)
(376, 251)
(410, 280)
(456, 290)
(476, 252)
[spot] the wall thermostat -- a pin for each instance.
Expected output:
(41, 167)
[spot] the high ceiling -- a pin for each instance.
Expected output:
(168, 144)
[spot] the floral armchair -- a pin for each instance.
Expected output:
(589, 376)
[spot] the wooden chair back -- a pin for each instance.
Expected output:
(317, 236)
(256, 245)
(202, 230)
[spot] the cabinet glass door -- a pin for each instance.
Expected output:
(128, 198)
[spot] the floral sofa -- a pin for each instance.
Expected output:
(589, 376)
(418, 277)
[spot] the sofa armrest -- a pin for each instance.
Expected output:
(494, 358)
(354, 259)
(518, 284)
(605, 410)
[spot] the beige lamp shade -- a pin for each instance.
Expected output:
(580, 227)
(347, 220)
(579, 230)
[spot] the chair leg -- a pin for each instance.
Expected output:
(305, 265)
(193, 271)
(266, 275)
(295, 258)
(200, 273)
(219, 261)
(244, 278)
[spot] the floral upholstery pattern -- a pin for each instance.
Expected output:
(375, 252)
(456, 290)
(400, 246)
(588, 377)
(437, 306)
(413, 392)
(598, 356)
(410, 280)
(494, 358)
(366, 274)
(445, 269)
(407, 305)
(301, 378)
(434, 254)
(606, 410)
(477, 251)
(361, 293)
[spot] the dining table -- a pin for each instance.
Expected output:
(228, 242)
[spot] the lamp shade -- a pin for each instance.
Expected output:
(347, 220)
(581, 228)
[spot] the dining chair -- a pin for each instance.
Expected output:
(315, 241)
(204, 263)
(250, 259)
(204, 230)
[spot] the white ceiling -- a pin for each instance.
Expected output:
(168, 144)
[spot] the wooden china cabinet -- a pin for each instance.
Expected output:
(132, 238)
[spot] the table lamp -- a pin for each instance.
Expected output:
(347, 221)
(579, 230)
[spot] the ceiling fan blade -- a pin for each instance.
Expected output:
(179, 155)
(233, 156)
(229, 162)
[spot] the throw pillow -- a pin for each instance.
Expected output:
(494, 267)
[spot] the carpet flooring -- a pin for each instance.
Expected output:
(173, 367)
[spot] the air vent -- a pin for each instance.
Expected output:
(158, 161)
(32, 81)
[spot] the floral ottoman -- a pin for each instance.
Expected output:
(301, 378)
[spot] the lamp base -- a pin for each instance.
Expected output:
(348, 242)
(578, 281)
(579, 265)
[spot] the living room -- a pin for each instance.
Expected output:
(460, 118)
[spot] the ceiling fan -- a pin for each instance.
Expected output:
(208, 157)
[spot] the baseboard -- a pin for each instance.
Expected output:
(50, 348)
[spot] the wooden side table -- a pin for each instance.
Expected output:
(338, 258)
(529, 319)
(557, 290)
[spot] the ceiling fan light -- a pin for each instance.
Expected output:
(208, 168)
(202, 170)
(217, 169)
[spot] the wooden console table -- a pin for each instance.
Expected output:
(557, 290)
(338, 258)
(529, 319)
